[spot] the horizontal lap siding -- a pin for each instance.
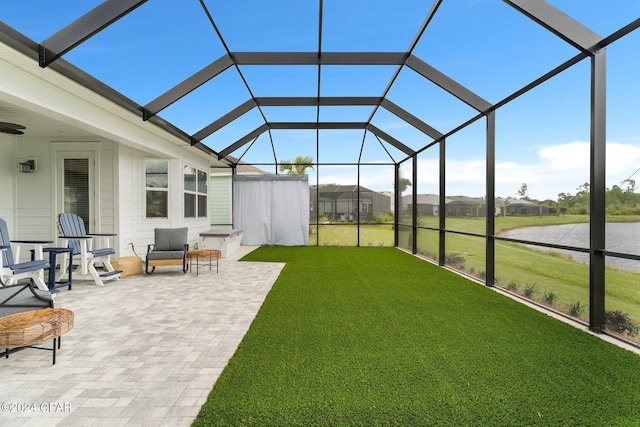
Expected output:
(7, 171)
(35, 201)
(220, 201)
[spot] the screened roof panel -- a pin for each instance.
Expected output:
(290, 114)
(231, 133)
(37, 20)
(376, 150)
(355, 80)
(258, 151)
(375, 26)
(281, 80)
(345, 114)
(340, 146)
(210, 102)
(289, 144)
(429, 102)
(400, 129)
(490, 48)
(281, 25)
(181, 41)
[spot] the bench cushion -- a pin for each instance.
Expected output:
(166, 255)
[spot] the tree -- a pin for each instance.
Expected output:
(298, 166)
(403, 184)
(523, 192)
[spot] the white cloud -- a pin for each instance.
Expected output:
(552, 170)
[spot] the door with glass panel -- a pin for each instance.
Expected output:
(76, 186)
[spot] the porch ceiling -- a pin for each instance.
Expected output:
(319, 71)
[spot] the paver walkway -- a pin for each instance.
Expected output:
(144, 351)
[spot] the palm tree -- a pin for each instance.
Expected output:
(298, 166)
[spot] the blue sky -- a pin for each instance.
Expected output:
(487, 46)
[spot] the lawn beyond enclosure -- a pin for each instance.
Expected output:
(375, 336)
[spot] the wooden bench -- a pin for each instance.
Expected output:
(28, 328)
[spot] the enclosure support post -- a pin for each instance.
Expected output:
(490, 199)
(442, 202)
(414, 198)
(358, 207)
(597, 193)
(233, 173)
(396, 204)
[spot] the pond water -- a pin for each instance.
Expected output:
(620, 237)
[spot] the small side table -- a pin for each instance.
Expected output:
(28, 328)
(203, 255)
(53, 254)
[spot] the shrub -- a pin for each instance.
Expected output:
(385, 217)
(529, 290)
(549, 297)
(620, 322)
(576, 308)
(455, 260)
(513, 285)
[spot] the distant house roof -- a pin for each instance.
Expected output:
(241, 169)
(337, 188)
(521, 202)
(423, 199)
(466, 200)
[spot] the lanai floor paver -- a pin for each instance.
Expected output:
(144, 351)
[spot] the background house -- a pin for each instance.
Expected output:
(428, 204)
(340, 202)
(522, 207)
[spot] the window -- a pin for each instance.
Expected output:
(157, 188)
(195, 193)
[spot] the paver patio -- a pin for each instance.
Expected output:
(144, 351)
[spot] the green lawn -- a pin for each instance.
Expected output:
(374, 336)
(516, 266)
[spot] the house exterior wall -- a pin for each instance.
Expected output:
(8, 169)
(133, 225)
(220, 201)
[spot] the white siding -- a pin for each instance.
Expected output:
(134, 226)
(34, 199)
(220, 201)
(8, 167)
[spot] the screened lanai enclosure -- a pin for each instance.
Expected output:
(449, 129)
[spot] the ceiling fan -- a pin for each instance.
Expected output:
(12, 128)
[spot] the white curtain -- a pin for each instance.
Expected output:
(272, 209)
